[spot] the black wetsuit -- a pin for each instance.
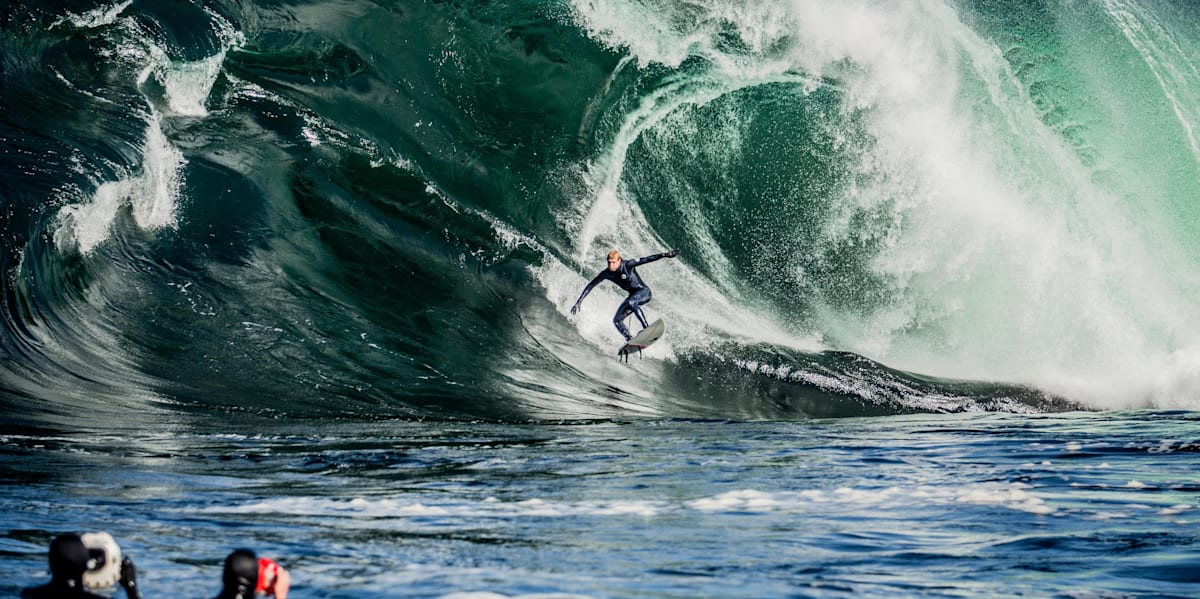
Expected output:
(58, 590)
(626, 277)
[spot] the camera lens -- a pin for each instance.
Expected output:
(97, 557)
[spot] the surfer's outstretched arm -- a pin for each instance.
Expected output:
(652, 258)
(587, 290)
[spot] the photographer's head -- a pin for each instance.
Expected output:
(241, 574)
(68, 559)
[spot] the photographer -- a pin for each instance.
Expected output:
(70, 560)
(247, 575)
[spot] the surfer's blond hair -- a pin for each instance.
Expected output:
(614, 254)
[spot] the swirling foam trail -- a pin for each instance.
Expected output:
(152, 195)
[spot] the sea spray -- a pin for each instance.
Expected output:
(172, 88)
(992, 251)
(151, 196)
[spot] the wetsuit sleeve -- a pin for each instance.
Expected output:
(590, 286)
(647, 259)
(129, 579)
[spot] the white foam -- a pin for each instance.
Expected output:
(151, 196)
(669, 33)
(1175, 510)
(488, 508)
(152, 193)
(95, 18)
(1015, 496)
(188, 84)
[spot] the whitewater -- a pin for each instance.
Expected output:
(297, 276)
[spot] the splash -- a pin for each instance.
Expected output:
(150, 196)
(1002, 254)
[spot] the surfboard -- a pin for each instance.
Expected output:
(643, 339)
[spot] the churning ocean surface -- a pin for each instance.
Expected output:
(297, 276)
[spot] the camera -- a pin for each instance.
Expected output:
(104, 561)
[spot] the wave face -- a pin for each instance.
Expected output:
(387, 208)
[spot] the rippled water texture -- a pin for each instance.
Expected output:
(945, 506)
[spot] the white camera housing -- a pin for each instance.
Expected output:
(104, 567)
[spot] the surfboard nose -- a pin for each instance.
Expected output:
(643, 339)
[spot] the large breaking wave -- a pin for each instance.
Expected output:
(386, 208)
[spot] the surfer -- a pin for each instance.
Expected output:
(624, 274)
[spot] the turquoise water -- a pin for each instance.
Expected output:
(263, 258)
